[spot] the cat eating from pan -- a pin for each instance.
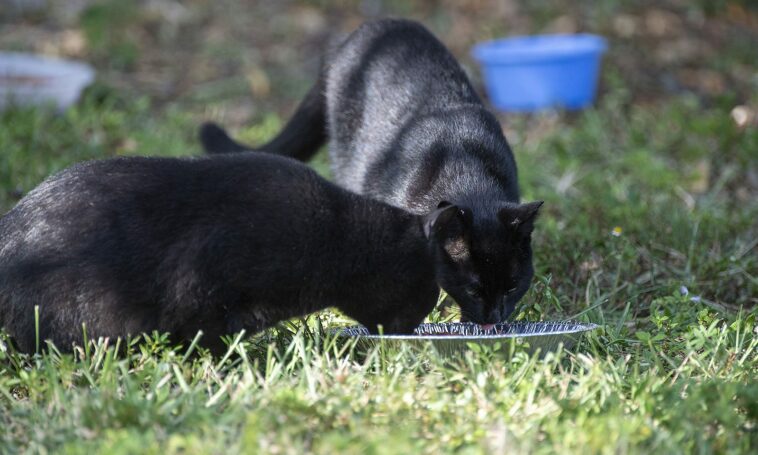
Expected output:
(406, 127)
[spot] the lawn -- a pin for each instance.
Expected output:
(649, 230)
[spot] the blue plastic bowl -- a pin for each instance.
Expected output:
(529, 73)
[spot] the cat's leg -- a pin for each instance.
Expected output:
(300, 139)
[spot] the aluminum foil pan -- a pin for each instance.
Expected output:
(457, 337)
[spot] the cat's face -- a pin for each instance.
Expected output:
(485, 262)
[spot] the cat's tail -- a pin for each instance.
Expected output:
(300, 139)
(215, 140)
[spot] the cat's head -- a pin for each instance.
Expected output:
(483, 260)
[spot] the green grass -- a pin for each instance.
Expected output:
(671, 370)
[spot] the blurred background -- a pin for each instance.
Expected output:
(241, 60)
(652, 190)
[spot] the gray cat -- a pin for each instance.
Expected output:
(406, 127)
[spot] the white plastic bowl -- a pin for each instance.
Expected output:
(28, 79)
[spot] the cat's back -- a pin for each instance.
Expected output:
(141, 198)
(397, 54)
(149, 203)
(398, 62)
(70, 202)
(386, 79)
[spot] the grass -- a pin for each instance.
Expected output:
(648, 230)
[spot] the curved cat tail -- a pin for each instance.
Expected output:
(300, 139)
(215, 140)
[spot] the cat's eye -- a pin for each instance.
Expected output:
(510, 291)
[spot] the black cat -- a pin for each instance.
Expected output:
(406, 127)
(131, 245)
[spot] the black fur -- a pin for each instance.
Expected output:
(131, 245)
(406, 127)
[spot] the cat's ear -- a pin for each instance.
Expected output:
(448, 227)
(446, 217)
(521, 217)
